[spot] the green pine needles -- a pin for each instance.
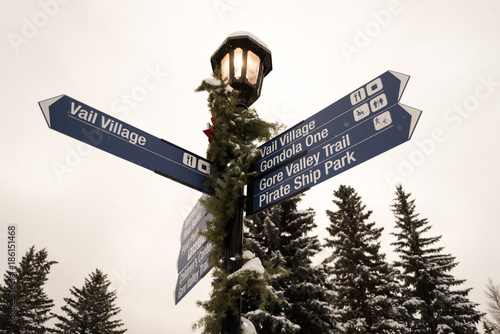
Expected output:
(233, 148)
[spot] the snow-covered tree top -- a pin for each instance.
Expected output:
(253, 264)
(247, 255)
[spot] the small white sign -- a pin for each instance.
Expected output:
(382, 120)
(374, 86)
(378, 102)
(361, 112)
(358, 96)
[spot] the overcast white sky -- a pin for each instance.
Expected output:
(100, 211)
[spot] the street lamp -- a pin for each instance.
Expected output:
(245, 61)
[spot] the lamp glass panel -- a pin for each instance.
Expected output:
(253, 63)
(238, 62)
(224, 64)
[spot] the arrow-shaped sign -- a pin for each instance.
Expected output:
(192, 244)
(93, 127)
(192, 220)
(359, 143)
(366, 101)
(193, 272)
(192, 263)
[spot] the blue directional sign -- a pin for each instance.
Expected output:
(192, 263)
(369, 137)
(193, 242)
(91, 126)
(193, 272)
(374, 97)
(194, 217)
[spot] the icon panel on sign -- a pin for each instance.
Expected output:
(378, 102)
(382, 120)
(189, 160)
(358, 96)
(361, 112)
(374, 86)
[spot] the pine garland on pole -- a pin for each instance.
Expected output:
(233, 149)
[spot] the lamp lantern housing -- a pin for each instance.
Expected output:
(244, 60)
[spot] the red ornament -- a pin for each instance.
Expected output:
(208, 132)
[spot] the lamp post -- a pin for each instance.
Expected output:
(244, 60)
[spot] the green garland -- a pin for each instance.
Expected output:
(233, 149)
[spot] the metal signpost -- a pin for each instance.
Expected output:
(356, 128)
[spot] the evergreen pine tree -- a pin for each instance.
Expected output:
(488, 329)
(279, 235)
(91, 309)
(367, 293)
(24, 305)
(492, 325)
(434, 306)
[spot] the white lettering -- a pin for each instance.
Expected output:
(273, 196)
(307, 178)
(339, 163)
(317, 137)
(267, 182)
